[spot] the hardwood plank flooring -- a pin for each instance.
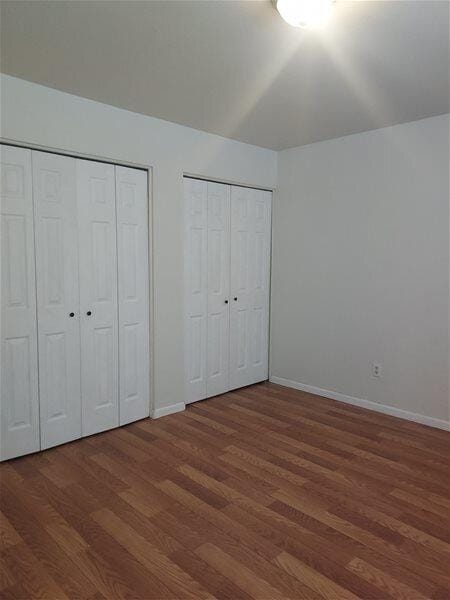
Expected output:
(262, 493)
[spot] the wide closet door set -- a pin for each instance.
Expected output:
(75, 293)
(227, 283)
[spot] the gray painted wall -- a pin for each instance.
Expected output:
(361, 266)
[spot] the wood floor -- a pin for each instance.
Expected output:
(263, 493)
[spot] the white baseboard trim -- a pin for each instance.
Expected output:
(381, 408)
(167, 410)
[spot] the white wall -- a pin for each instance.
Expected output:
(40, 115)
(361, 267)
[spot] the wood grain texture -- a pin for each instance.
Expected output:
(263, 493)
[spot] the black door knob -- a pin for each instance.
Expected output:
(71, 314)
(235, 298)
(226, 301)
(89, 313)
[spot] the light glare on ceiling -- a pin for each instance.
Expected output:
(304, 13)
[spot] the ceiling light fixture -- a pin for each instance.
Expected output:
(304, 13)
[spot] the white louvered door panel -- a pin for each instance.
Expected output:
(56, 237)
(98, 296)
(250, 273)
(195, 286)
(19, 369)
(218, 277)
(133, 294)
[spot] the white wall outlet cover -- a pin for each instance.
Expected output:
(376, 370)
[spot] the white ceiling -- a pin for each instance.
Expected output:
(235, 68)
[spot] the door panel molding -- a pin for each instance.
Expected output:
(195, 288)
(218, 296)
(133, 294)
(56, 247)
(98, 296)
(19, 395)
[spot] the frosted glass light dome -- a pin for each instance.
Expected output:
(304, 13)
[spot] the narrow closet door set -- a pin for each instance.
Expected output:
(74, 254)
(227, 281)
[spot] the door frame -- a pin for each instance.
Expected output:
(149, 169)
(273, 191)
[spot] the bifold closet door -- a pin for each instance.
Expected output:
(19, 366)
(133, 293)
(218, 296)
(195, 287)
(98, 296)
(56, 247)
(250, 285)
(227, 286)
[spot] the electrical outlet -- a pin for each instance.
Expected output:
(376, 370)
